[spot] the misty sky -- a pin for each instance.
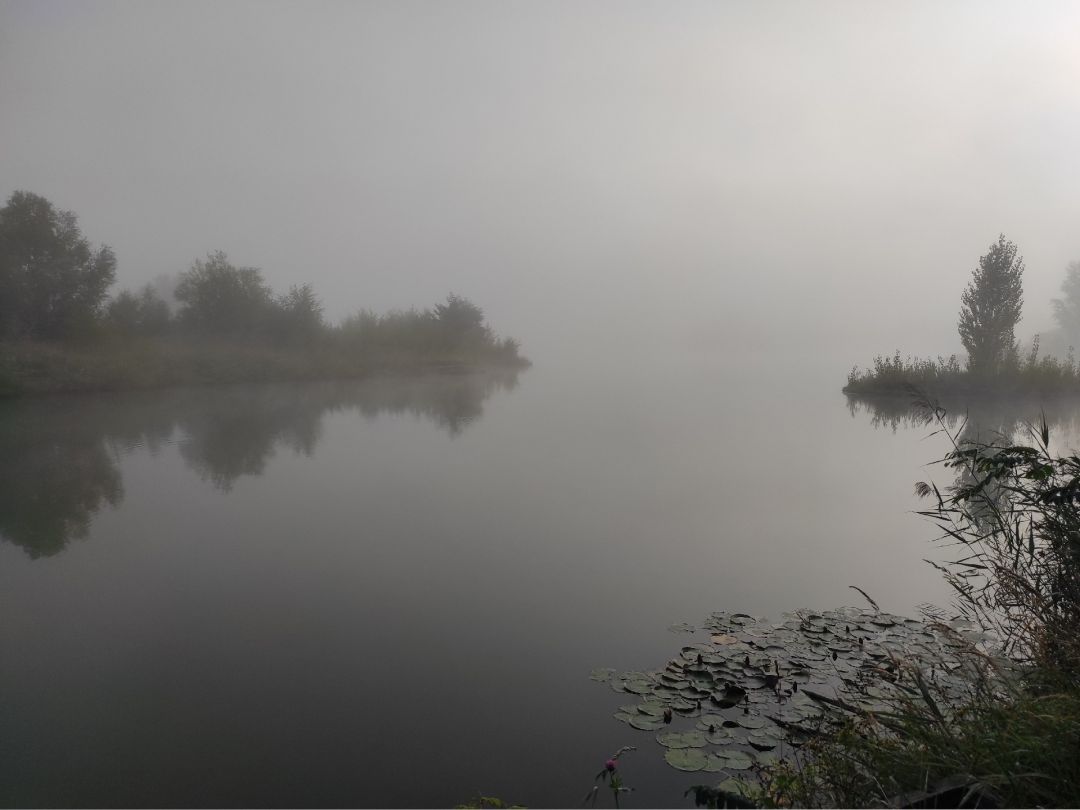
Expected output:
(735, 177)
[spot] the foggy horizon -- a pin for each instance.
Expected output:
(781, 178)
(521, 393)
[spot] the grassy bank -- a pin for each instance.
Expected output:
(29, 368)
(896, 375)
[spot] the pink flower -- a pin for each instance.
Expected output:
(610, 765)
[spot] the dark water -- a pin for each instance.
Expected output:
(392, 593)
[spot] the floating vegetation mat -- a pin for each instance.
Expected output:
(757, 690)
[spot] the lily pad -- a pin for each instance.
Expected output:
(602, 674)
(715, 763)
(752, 721)
(736, 760)
(763, 742)
(770, 757)
(639, 687)
(714, 720)
(686, 759)
(652, 709)
(681, 739)
(646, 722)
(720, 736)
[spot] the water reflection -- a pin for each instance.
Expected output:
(994, 420)
(59, 457)
(988, 419)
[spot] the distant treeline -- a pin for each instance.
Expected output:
(989, 312)
(57, 320)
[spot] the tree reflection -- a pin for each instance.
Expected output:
(59, 457)
(1001, 420)
(989, 419)
(54, 476)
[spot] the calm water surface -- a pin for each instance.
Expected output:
(392, 593)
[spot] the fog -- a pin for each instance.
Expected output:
(378, 560)
(607, 180)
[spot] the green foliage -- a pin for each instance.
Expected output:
(990, 308)
(1017, 750)
(142, 315)
(298, 316)
(452, 332)
(1015, 512)
(52, 283)
(461, 322)
(217, 298)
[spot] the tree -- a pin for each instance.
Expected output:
(1067, 309)
(142, 314)
(990, 308)
(218, 298)
(461, 321)
(298, 315)
(52, 283)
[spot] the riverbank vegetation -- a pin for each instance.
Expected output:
(1013, 517)
(60, 330)
(990, 311)
(1031, 374)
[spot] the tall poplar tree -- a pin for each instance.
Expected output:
(990, 308)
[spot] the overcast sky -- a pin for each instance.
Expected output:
(784, 177)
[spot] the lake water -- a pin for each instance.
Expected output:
(392, 592)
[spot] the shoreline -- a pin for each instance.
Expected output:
(39, 370)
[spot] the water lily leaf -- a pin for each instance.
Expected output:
(681, 739)
(646, 722)
(682, 627)
(720, 736)
(723, 639)
(652, 709)
(686, 759)
(763, 742)
(736, 760)
(674, 681)
(770, 757)
(602, 675)
(752, 721)
(714, 720)
(729, 697)
(639, 686)
(715, 763)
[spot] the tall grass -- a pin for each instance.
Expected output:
(945, 375)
